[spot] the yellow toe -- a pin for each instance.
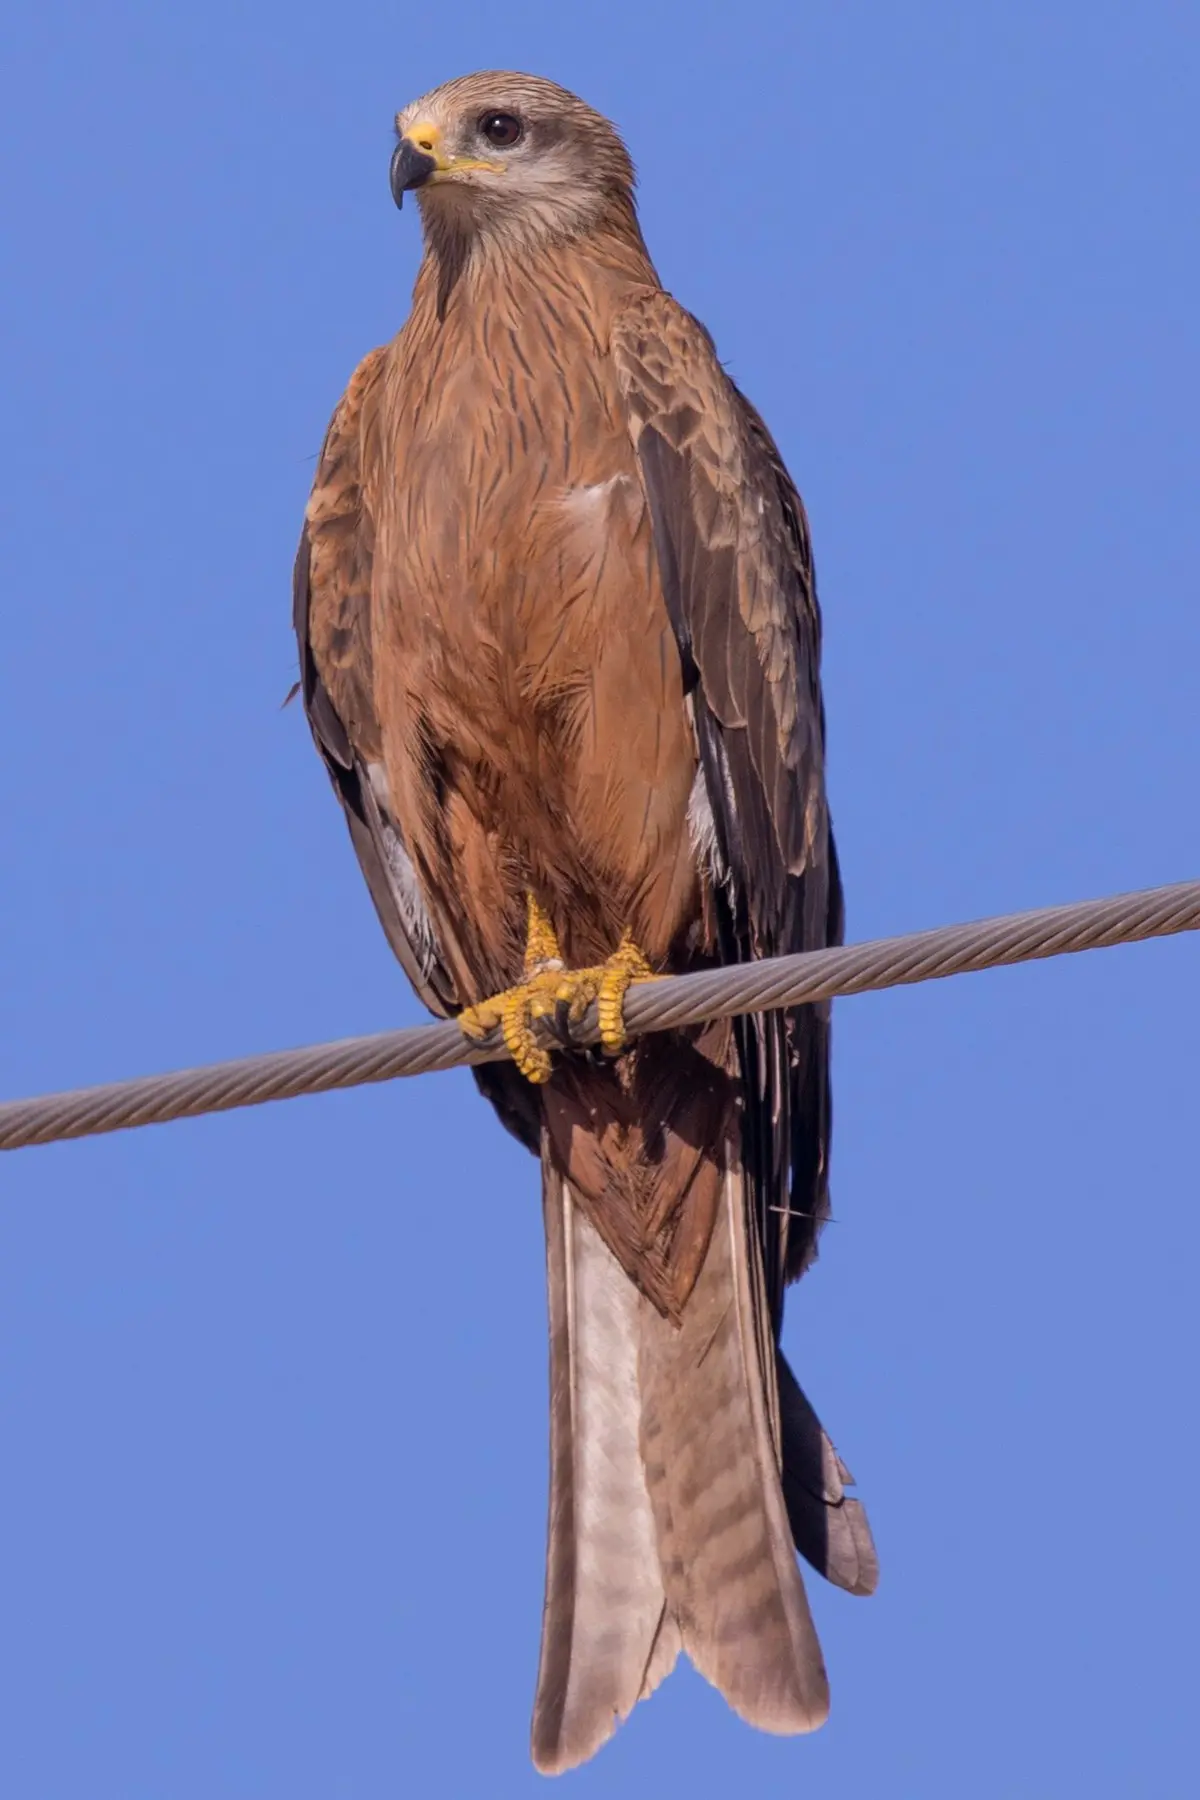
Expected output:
(522, 1005)
(622, 969)
(478, 1022)
(547, 987)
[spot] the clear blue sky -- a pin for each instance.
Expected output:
(272, 1386)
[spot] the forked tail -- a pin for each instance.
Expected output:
(673, 1511)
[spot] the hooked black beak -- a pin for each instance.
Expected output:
(410, 168)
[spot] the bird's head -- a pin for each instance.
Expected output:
(510, 159)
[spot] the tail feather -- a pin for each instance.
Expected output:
(829, 1526)
(668, 1522)
(607, 1636)
(712, 1468)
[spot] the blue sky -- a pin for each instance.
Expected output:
(272, 1386)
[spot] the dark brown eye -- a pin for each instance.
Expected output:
(501, 128)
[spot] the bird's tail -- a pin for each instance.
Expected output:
(684, 1464)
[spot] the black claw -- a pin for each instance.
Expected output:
(562, 1024)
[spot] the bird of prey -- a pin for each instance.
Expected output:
(560, 650)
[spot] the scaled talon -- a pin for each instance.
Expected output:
(548, 987)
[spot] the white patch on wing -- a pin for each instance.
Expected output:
(689, 707)
(702, 827)
(702, 824)
(406, 890)
(593, 498)
(418, 926)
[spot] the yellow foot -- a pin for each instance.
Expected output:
(550, 990)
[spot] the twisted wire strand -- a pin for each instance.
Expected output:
(650, 1006)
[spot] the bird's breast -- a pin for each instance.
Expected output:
(519, 621)
(515, 524)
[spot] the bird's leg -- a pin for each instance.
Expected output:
(515, 1009)
(550, 988)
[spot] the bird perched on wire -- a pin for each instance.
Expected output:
(560, 650)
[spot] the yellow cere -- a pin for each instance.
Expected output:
(428, 138)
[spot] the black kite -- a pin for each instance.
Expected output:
(560, 653)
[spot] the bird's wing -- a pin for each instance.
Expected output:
(332, 617)
(736, 568)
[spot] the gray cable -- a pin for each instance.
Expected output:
(650, 1006)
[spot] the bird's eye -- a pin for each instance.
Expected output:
(501, 128)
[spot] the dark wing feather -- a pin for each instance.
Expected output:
(737, 575)
(736, 570)
(332, 617)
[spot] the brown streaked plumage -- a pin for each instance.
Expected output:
(559, 639)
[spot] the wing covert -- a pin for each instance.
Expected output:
(332, 619)
(736, 570)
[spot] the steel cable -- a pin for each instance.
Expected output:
(650, 1006)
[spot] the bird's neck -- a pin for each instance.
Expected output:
(459, 266)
